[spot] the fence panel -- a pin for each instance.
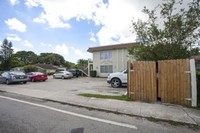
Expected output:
(142, 81)
(174, 81)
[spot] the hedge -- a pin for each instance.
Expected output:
(93, 73)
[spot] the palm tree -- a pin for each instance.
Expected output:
(7, 49)
(6, 53)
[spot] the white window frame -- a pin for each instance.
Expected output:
(106, 69)
(105, 55)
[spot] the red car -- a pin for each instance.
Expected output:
(37, 76)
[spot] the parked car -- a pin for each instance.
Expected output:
(37, 76)
(63, 75)
(13, 77)
(75, 72)
(117, 79)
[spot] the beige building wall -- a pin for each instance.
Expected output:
(118, 61)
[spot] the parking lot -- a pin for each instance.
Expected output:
(72, 86)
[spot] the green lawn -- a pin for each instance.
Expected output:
(123, 97)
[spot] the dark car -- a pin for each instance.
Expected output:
(75, 72)
(37, 76)
(13, 77)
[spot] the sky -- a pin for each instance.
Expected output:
(69, 27)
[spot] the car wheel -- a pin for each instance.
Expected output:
(7, 82)
(63, 77)
(115, 83)
(24, 82)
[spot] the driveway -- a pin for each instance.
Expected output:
(72, 86)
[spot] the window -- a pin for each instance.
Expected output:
(105, 55)
(106, 69)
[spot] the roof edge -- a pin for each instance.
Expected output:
(111, 47)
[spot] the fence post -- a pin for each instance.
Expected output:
(128, 78)
(193, 83)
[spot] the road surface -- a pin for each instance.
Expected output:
(19, 114)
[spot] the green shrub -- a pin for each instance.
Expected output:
(93, 73)
(30, 68)
(50, 73)
(60, 69)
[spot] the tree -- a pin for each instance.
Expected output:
(174, 39)
(51, 58)
(25, 57)
(15, 62)
(30, 68)
(6, 49)
(69, 65)
(6, 53)
(82, 63)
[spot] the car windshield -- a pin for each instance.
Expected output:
(125, 71)
(37, 73)
(67, 72)
(16, 73)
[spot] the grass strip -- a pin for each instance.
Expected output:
(122, 97)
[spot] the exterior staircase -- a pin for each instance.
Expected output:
(84, 72)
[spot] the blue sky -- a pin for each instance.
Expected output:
(69, 27)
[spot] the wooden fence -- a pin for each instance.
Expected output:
(168, 81)
(142, 81)
(174, 81)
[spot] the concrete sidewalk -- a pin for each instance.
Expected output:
(167, 112)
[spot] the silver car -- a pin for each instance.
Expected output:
(13, 77)
(63, 75)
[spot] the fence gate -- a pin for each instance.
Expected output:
(174, 81)
(142, 81)
(168, 81)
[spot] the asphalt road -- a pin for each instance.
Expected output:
(19, 117)
(19, 114)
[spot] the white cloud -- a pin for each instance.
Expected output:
(69, 52)
(92, 37)
(78, 54)
(117, 20)
(15, 24)
(13, 37)
(15, 49)
(27, 44)
(61, 49)
(43, 44)
(53, 21)
(114, 17)
(31, 3)
(57, 13)
(47, 45)
(39, 20)
(14, 2)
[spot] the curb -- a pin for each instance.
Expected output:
(149, 118)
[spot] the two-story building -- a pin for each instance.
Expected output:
(110, 58)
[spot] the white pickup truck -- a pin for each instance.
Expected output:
(117, 79)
